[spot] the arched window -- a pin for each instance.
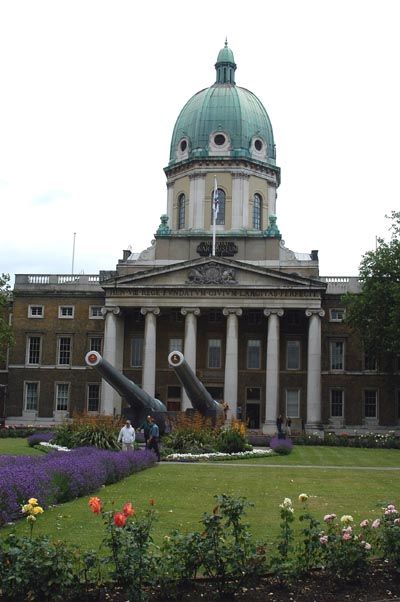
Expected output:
(181, 211)
(257, 212)
(220, 218)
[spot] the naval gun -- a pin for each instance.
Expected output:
(199, 396)
(141, 403)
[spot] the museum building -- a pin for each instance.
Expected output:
(256, 322)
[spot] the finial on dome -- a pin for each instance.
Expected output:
(226, 42)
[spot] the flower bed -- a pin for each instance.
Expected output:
(59, 477)
(389, 440)
(213, 456)
(38, 438)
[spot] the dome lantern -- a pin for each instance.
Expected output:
(225, 66)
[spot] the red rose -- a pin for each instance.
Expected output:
(128, 510)
(95, 505)
(119, 519)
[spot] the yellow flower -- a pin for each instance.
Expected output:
(303, 497)
(37, 510)
(346, 519)
(27, 508)
(31, 518)
(33, 501)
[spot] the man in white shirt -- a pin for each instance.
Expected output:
(127, 436)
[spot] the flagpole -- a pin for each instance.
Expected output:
(215, 211)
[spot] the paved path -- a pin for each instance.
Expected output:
(231, 464)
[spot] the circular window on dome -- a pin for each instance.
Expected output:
(183, 145)
(258, 144)
(219, 139)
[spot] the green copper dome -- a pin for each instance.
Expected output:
(224, 121)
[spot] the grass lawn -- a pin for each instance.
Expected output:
(182, 492)
(17, 447)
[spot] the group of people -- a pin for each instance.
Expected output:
(127, 435)
(284, 426)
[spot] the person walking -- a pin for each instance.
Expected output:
(154, 438)
(279, 422)
(127, 436)
(288, 426)
(146, 428)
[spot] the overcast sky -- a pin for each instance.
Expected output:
(90, 92)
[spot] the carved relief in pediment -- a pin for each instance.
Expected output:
(212, 273)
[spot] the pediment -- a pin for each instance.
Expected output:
(212, 272)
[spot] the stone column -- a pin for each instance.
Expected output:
(272, 371)
(113, 347)
(149, 353)
(231, 359)
(189, 346)
(240, 200)
(314, 369)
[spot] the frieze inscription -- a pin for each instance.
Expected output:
(223, 248)
(219, 292)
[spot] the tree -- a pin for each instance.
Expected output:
(6, 336)
(375, 312)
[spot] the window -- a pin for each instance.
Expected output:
(64, 351)
(93, 397)
(95, 312)
(370, 363)
(33, 351)
(336, 315)
(293, 355)
(370, 403)
(137, 352)
(176, 316)
(336, 403)
(66, 311)
(31, 396)
(174, 395)
(62, 397)
(254, 317)
(214, 353)
(175, 345)
(181, 211)
(257, 212)
(215, 315)
(96, 344)
(337, 355)
(254, 353)
(35, 311)
(293, 403)
(220, 218)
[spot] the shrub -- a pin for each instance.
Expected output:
(388, 534)
(191, 433)
(37, 438)
(83, 430)
(231, 441)
(281, 446)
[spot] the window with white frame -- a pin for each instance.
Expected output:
(370, 363)
(214, 353)
(66, 311)
(181, 212)
(137, 352)
(175, 345)
(95, 312)
(336, 314)
(33, 349)
(96, 343)
(370, 403)
(64, 351)
(293, 355)
(336, 402)
(35, 311)
(62, 397)
(31, 396)
(293, 403)
(254, 354)
(93, 397)
(337, 355)
(257, 212)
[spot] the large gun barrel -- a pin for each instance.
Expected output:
(196, 391)
(141, 403)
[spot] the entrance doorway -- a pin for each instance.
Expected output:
(253, 407)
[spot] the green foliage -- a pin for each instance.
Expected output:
(388, 535)
(375, 312)
(6, 336)
(344, 554)
(101, 432)
(282, 564)
(37, 569)
(230, 441)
